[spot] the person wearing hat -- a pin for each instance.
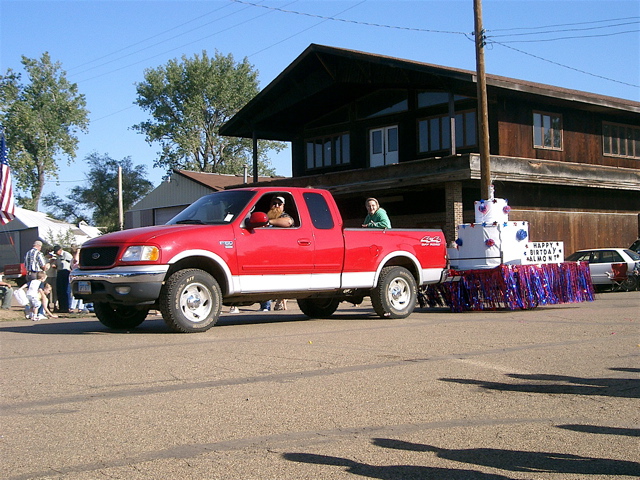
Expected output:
(63, 268)
(277, 216)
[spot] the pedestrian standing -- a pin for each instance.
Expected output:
(63, 269)
(51, 280)
(34, 261)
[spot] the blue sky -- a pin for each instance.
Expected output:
(104, 46)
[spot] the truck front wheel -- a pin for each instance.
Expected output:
(318, 307)
(119, 317)
(396, 292)
(190, 301)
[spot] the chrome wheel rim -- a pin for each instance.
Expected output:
(196, 302)
(399, 293)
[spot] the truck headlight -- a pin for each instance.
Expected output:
(141, 253)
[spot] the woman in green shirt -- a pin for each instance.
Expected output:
(377, 217)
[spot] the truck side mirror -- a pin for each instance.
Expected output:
(257, 219)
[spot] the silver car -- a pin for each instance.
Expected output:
(600, 263)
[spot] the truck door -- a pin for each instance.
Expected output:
(328, 242)
(272, 258)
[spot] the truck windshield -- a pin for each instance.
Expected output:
(217, 208)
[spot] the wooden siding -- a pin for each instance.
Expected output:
(582, 134)
(580, 230)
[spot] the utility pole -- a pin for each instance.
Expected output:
(120, 203)
(483, 108)
(255, 157)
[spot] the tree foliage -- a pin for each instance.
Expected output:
(100, 197)
(189, 100)
(41, 118)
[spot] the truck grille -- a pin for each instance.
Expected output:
(98, 256)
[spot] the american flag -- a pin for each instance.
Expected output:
(7, 206)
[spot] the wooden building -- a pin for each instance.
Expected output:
(405, 132)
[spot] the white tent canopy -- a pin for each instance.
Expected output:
(49, 228)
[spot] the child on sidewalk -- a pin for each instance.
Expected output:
(38, 295)
(43, 311)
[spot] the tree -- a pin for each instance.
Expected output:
(189, 101)
(41, 120)
(101, 195)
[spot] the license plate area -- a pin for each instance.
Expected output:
(84, 286)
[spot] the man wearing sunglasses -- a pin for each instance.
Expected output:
(277, 216)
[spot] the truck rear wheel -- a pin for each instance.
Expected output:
(120, 317)
(191, 301)
(396, 293)
(318, 307)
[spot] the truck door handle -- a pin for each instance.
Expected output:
(304, 242)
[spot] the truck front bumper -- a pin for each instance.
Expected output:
(121, 285)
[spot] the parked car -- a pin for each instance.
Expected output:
(600, 263)
(635, 246)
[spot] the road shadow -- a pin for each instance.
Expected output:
(80, 326)
(155, 324)
(561, 385)
(597, 429)
(625, 369)
(522, 460)
(392, 472)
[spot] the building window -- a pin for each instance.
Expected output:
(382, 103)
(434, 133)
(432, 98)
(328, 151)
(547, 130)
(620, 140)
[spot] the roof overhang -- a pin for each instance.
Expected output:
(323, 79)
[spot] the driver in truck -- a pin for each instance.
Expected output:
(277, 216)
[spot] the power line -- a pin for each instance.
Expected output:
(356, 22)
(112, 114)
(177, 48)
(334, 17)
(564, 66)
(565, 30)
(468, 36)
(155, 44)
(304, 30)
(563, 24)
(151, 38)
(573, 37)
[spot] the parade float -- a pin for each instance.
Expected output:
(495, 264)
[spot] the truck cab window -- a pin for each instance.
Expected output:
(319, 211)
(264, 205)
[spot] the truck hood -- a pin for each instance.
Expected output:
(152, 234)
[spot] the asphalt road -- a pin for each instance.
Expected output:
(550, 393)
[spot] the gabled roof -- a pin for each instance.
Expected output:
(185, 187)
(323, 78)
(49, 227)
(218, 181)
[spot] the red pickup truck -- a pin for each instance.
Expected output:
(221, 251)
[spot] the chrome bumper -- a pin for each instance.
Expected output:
(140, 274)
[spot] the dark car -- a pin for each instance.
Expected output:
(635, 246)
